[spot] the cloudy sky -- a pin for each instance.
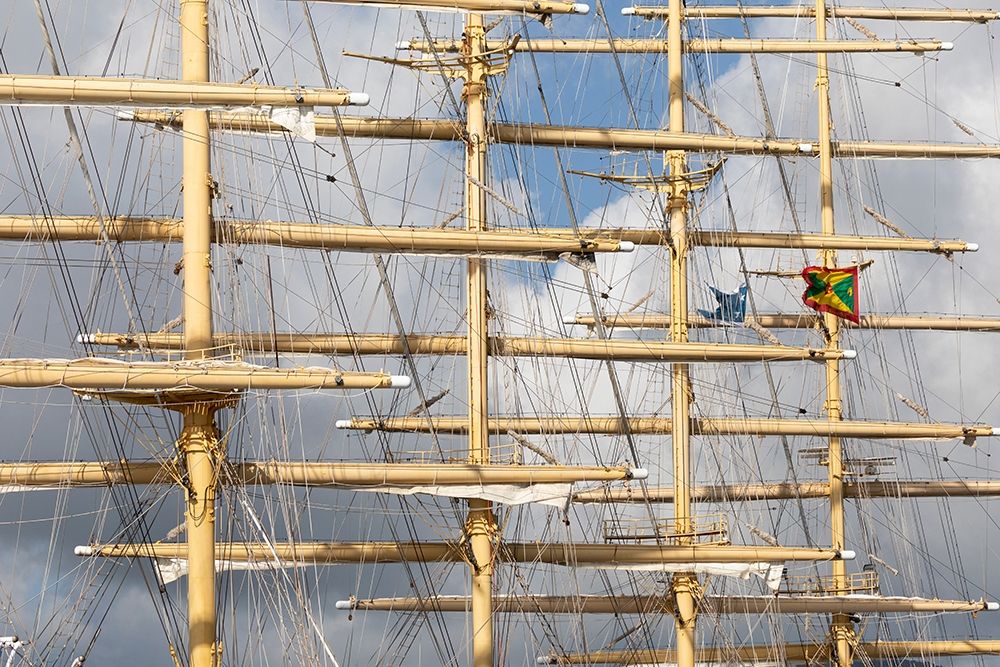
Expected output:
(116, 614)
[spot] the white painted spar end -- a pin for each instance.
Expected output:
(358, 99)
(345, 604)
(581, 8)
(971, 247)
(83, 551)
(992, 606)
(638, 473)
(626, 246)
(947, 46)
(846, 554)
(399, 381)
(628, 11)
(850, 354)
(343, 423)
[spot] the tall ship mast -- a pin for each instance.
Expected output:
(498, 332)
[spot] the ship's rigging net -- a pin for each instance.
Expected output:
(283, 611)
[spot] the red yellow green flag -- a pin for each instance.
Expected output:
(833, 291)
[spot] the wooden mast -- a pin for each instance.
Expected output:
(198, 442)
(842, 629)
(481, 526)
(684, 585)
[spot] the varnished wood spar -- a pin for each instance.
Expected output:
(324, 474)
(307, 473)
(619, 350)
(789, 491)
(544, 7)
(607, 425)
(548, 243)
(426, 129)
(333, 553)
(802, 321)
(797, 653)
(805, 11)
(718, 45)
(109, 91)
(642, 604)
(91, 373)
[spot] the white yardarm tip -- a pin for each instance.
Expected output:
(83, 339)
(569, 319)
(626, 246)
(628, 11)
(399, 381)
(995, 430)
(403, 46)
(83, 551)
(805, 148)
(358, 99)
(850, 354)
(947, 46)
(638, 473)
(992, 606)
(544, 660)
(580, 8)
(971, 247)
(847, 554)
(344, 604)
(342, 423)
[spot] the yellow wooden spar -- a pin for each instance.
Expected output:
(429, 129)
(788, 491)
(307, 473)
(782, 653)
(806, 11)
(334, 553)
(718, 45)
(538, 7)
(663, 604)
(648, 425)
(802, 321)
(91, 373)
(547, 243)
(576, 348)
(188, 93)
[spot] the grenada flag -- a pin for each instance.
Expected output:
(833, 291)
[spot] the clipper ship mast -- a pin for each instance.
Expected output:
(201, 385)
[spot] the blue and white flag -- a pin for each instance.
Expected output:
(732, 306)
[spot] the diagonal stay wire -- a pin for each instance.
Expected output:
(599, 321)
(385, 281)
(594, 303)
